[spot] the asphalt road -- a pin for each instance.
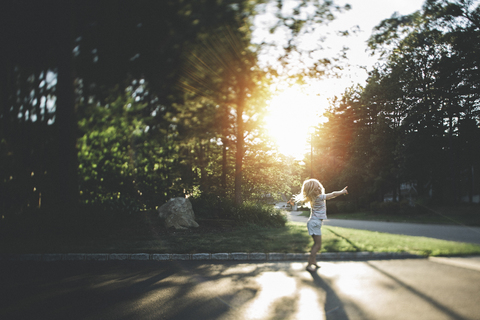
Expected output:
(386, 289)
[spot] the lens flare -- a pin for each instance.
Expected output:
(291, 113)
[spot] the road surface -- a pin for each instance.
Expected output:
(385, 289)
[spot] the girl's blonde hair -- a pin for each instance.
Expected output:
(308, 193)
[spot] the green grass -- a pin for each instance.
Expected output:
(458, 215)
(361, 240)
(148, 237)
(370, 216)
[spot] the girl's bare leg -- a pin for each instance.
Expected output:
(317, 245)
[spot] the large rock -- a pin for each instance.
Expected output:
(178, 213)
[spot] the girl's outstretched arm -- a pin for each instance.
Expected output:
(335, 194)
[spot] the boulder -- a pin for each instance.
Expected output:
(178, 213)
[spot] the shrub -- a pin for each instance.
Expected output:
(344, 207)
(401, 207)
(209, 206)
(113, 207)
(125, 206)
(332, 207)
(259, 214)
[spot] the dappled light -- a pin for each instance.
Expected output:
(152, 155)
(275, 285)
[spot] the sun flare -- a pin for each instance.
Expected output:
(290, 115)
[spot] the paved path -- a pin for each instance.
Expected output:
(445, 232)
(342, 290)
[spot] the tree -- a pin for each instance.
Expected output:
(230, 56)
(408, 120)
(65, 59)
(224, 70)
(92, 47)
(39, 43)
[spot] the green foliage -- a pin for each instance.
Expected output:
(259, 214)
(109, 162)
(210, 206)
(416, 121)
(169, 99)
(339, 207)
(390, 207)
(269, 173)
(120, 206)
(344, 206)
(134, 50)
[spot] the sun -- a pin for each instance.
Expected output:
(291, 113)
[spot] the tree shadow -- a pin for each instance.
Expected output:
(419, 294)
(106, 290)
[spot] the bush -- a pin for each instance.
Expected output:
(259, 214)
(209, 206)
(110, 210)
(332, 208)
(345, 207)
(401, 207)
(124, 206)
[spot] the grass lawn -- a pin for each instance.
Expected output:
(148, 237)
(361, 240)
(459, 215)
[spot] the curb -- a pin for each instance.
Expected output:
(234, 256)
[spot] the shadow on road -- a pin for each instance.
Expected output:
(334, 307)
(102, 290)
(419, 294)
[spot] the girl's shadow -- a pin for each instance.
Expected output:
(334, 307)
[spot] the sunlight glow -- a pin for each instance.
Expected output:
(308, 304)
(275, 286)
(290, 115)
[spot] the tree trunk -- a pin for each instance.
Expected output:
(471, 186)
(225, 123)
(240, 144)
(224, 166)
(203, 164)
(452, 188)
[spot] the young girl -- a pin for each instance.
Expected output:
(314, 194)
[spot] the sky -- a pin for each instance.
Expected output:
(366, 14)
(304, 108)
